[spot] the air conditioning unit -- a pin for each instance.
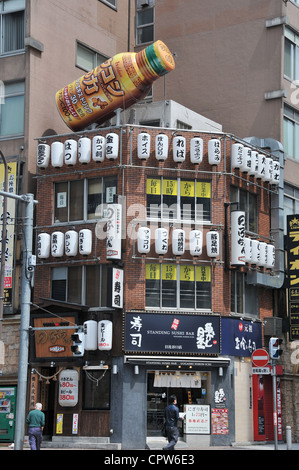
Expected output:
(273, 326)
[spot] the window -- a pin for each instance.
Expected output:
(145, 25)
(178, 286)
(244, 298)
(12, 26)
(12, 110)
(110, 3)
(87, 58)
(86, 285)
(178, 199)
(291, 54)
(96, 390)
(247, 203)
(291, 202)
(81, 199)
(291, 132)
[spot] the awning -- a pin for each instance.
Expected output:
(178, 361)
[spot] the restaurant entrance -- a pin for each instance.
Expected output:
(189, 387)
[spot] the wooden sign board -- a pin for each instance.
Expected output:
(56, 342)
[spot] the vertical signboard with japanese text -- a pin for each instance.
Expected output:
(293, 274)
(10, 229)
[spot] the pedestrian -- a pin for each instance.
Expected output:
(171, 418)
(36, 422)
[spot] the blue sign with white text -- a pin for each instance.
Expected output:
(240, 337)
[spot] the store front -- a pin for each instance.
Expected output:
(189, 388)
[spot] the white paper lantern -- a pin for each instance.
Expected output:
(214, 151)
(178, 242)
(84, 150)
(161, 241)
(270, 256)
(112, 144)
(248, 250)
(238, 238)
(263, 248)
(43, 245)
(85, 241)
(70, 152)
(57, 154)
(255, 163)
(195, 242)
(144, 240)
(98, 148)
(261, 166)
(43, 155)
(255, 258)
(105, 335)
(143, 146)
(247, 162)
(71, 243)
(212, 240)
(179, 148)
(276, 173)
(237, 155)
(90, 329)
(161, 146)
(57, 244)
(196, 150)
(268, 170)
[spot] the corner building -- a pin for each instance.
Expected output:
(168, 252)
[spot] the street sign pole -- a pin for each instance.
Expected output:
(275, 418)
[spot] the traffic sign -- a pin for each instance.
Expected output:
(260, 358)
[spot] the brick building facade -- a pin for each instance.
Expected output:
(216, 309)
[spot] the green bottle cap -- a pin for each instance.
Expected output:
(160, 58)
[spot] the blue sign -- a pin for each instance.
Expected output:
(172, 333)
(240, 337)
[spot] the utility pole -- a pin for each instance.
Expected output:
(27, 273)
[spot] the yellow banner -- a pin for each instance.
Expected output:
(187, 273)
(203, 273)
(59, 424)
(170, 187)
(153, 186)
(203, 189)
(169, 272)
(187, 188)
(152, 271)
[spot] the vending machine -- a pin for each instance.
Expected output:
(7, 413)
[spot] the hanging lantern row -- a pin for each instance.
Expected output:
(245, 250)
(70, 243)
(97, 149)
(97, 335)
(256, 164)
(178, 242)
(179, 150)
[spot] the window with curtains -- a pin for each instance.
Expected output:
(87, 58)
(12, 100)
(12, 26)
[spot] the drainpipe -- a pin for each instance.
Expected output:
(277, 218)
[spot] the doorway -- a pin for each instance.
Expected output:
(189, 388)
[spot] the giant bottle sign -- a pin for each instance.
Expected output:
(117, 83)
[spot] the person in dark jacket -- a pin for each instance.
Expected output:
(36, 422)
(171, 419)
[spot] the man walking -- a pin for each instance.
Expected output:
(171, 418)
(36, 422)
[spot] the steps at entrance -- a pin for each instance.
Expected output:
(76, 442)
